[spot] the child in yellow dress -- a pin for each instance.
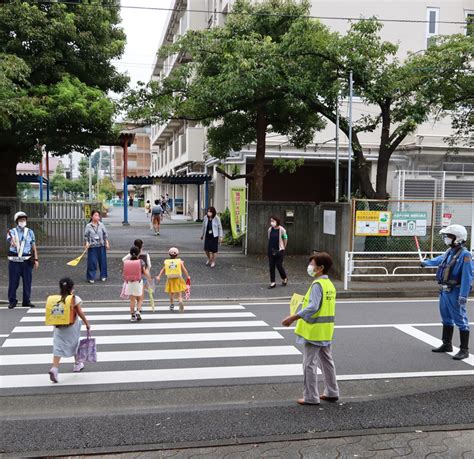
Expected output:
(173, 268)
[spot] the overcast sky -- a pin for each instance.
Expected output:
(144, 29)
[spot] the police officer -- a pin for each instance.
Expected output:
(22, 256)
(454, 276)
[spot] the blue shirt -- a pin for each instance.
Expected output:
(314, 305)
(19, 234)
(461, 272)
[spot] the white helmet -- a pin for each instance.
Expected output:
(458, 231)
(19, 215)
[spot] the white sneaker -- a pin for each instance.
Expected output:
(53, 374)
(78, 367)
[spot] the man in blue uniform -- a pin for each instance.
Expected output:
(454, 276)
(22, 256)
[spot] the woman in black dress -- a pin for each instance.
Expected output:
(277, 241)
(212, 233)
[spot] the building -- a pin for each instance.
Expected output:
(179, 147)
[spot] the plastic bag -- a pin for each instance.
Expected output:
(87, 350)
(187, 292)
(124, 292)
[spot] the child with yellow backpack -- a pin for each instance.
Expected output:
(173, 268)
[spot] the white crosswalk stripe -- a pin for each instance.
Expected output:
(224, 343)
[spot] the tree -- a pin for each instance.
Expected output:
(399, 95)
(104, 161)
(231, 80)
(59, 60)
(107, 187)
(59, 183)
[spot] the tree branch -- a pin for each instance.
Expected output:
(233, 176)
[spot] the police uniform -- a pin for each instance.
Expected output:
(20, 264)
(315, 330)
(454, 276)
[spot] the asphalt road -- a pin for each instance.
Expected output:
(224, 371)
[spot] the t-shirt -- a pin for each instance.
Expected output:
(157, 210)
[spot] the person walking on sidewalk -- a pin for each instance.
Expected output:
(454, 276)
(156, 214)
(277, 241)
(212, 233)
(66, 337)
(22, 258)
(175, 285)
(97, 243)
(315, 329)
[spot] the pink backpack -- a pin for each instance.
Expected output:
(132, 270)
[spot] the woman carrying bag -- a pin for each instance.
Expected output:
(212, 233)
(277, 242)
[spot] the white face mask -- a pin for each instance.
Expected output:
(273, 224)
(209, 214)
(310, 271)
(447, 240)
(22, 224)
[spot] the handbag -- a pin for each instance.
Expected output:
(187, 292)
(124, 292)
(87, 350)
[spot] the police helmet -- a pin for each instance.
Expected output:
(19, 215)
(458, 231)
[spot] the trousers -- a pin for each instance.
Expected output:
(314, 356)
(96, 256)
(451, 311)
(17, 270)
(276, 261)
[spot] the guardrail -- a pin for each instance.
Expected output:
(370, 261)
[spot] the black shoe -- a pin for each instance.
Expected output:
(12, 305)
(28, 305)
(447, 340)
(464, 347)
(272, 286)
(284, 283)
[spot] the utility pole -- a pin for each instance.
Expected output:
(349, 150)
(90, 177)
(125, 141)
(337, 150)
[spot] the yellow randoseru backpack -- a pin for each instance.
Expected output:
(173, 268)
(60, 312)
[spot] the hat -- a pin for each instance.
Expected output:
(20, 215)
(173, 251)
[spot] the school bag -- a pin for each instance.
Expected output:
(132, 270)
(59, 312)
(173, 268)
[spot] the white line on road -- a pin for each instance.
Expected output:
(4, 336)
(151, 326)
(166, 338)
(431, 340)
(375, 326)
(175, 316)
(87, 309)
(167, 354)
(194, 374)
(358, 301)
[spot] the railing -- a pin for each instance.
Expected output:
(384, 264)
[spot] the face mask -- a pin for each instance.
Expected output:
(310, 271)
(273, 224)
(22, 224)
(447, 240)
(209, 214)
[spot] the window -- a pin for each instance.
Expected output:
(432, 22)
(470, 23)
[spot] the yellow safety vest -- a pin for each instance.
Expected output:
(322, 326)
(173, 268)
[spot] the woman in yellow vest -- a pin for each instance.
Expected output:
(175, 285)
(315, 329)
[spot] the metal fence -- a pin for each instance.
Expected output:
(438, 213)
(58, 224)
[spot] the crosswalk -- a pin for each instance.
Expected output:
(205, 343)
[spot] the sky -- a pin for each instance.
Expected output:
(144, 29)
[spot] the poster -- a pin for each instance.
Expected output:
(237, 211)
(409, 223)
(329, 222)
(372, 223)
(447, 219)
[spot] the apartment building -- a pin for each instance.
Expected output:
(179, 147)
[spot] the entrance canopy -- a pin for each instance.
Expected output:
(30, 178)
(191, 179)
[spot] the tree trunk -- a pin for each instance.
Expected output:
(258, 173)
(384, 154)
(10, 159)
(363, 168)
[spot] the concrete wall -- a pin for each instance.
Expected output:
(335, 244)
(296, 217)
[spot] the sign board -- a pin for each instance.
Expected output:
(237, 211)
(372, 223)
(409, 223)
(447, 219)
(329, 222)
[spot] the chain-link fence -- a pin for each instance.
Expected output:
(390, 226)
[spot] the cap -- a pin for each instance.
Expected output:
(20, 215)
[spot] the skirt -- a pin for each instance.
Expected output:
(211, 244)
(66, 339)
(175, 285)
(135, 288)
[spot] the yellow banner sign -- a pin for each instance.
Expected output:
(373, 223)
